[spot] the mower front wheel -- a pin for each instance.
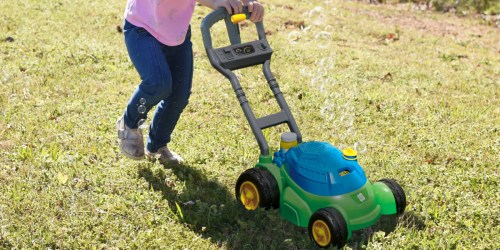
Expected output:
(327, 227)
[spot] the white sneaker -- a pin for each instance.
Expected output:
(130, 141)
(165, 156)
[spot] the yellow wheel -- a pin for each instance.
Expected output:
(256, 187)
(249, 195)
(321, 233)
(327, 227)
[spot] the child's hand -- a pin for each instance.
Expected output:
(232, 6)
(256, 9)
(235, 7)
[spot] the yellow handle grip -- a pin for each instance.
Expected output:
(238, 18)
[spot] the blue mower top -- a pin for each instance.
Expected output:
(321, 169)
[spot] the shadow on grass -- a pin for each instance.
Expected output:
(210, 209)
(386, 224)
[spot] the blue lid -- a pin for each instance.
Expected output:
(320, 168)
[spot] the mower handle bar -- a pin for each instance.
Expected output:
(285, 115)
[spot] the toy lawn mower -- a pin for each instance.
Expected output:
(314, 184)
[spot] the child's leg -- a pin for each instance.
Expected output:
(149, 59)
(168, 111)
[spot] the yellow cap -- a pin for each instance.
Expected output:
(350, 154)
(288, 140)
(238, 18)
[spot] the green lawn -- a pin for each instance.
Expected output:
(416, 93)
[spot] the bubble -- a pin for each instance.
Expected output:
(319, 21)
(317, 15)
(316, 11)
(316, 81)
(328, 111)
(326, 63)
(329, 81)
(322, 71)
(348, 108)
(342, 136)
(141, 124)
(323, 84)
(361, 147)
(306, 72)
(323, 39)
(347, 120)
(328, 27)
(322, 87)
(141, 109)
(142, 101)
(351, 131)
(294, 36)
(335, 96)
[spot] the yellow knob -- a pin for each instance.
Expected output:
(350, 154)
(238, 18)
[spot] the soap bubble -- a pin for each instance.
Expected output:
(323, 39)
(347, 120)
(141, 124)
(328, 27)
(329, 82)
(322, 87)
(141, 109)
(306, 72)
(322, 71)
(351, 131)
(294, 36)
(342, 136)
(317, 15)
(328, 111)
(326, 63)
(348, 108)
(360, 146)
(316, 81)
(316, 11)
(142, 106)
(320, 82)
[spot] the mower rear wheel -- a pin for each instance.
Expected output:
(399, 194)
(256, 187)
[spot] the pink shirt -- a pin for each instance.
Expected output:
(166, 20)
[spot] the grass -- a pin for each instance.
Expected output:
(417, 94)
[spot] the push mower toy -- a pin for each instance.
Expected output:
(314, 184)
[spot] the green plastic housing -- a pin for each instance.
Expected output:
(360, 208)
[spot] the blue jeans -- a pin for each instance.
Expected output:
(166, 76)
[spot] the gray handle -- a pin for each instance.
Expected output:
(285, 115)
(232, 29)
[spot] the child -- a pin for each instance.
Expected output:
(158, 38)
